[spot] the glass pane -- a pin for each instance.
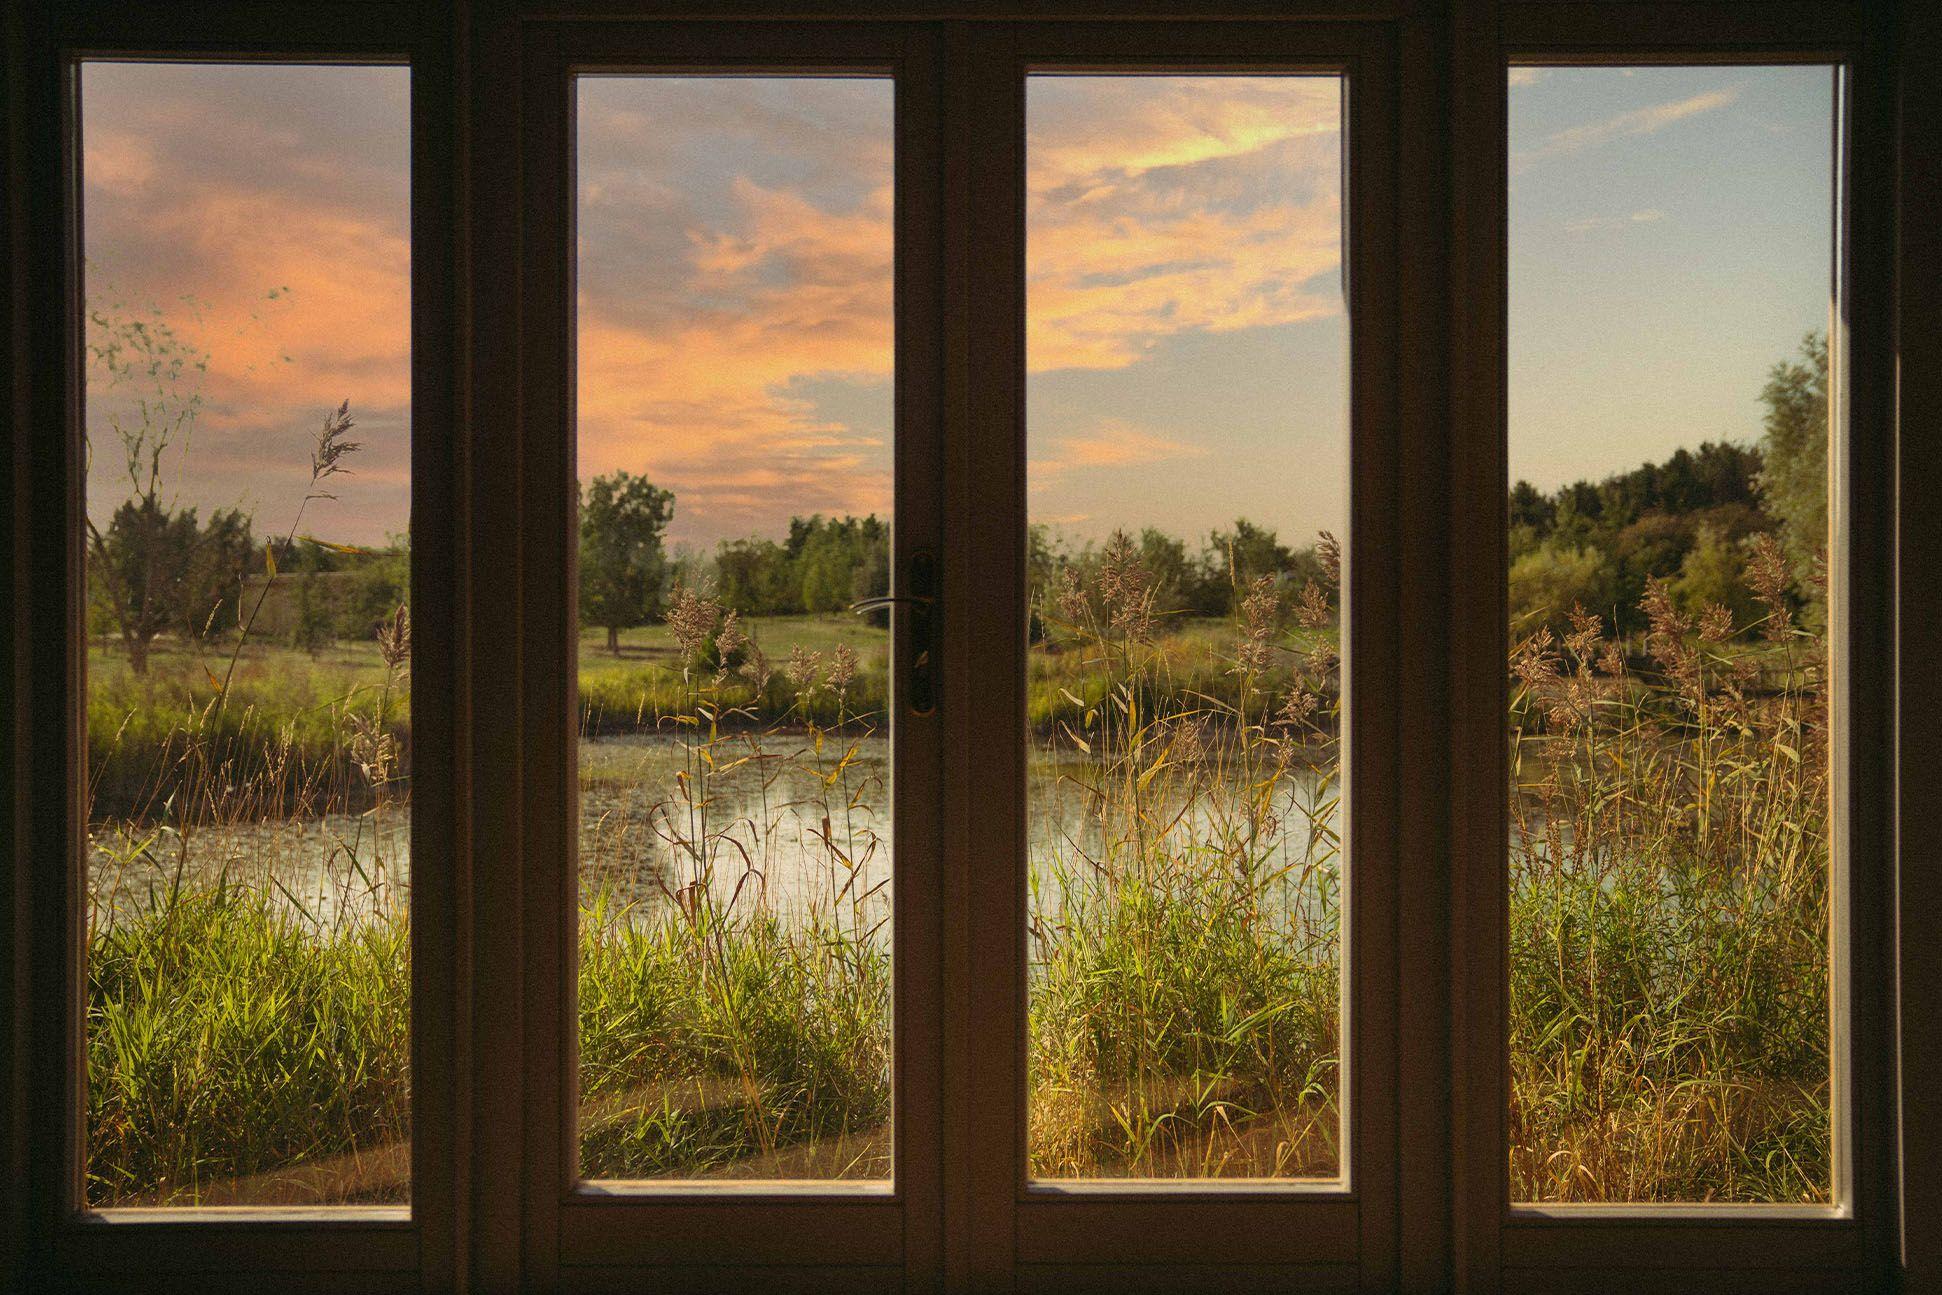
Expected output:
(1188, 476)
(1670, 799)
(735, 380)
(248, 425)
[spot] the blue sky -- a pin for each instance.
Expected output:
(1670, 238)
(1670, 241)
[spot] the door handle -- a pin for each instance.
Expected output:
(920, 600)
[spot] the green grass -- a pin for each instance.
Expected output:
(1668, 923)
(229, 1039)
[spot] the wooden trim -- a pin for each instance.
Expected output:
(492, 1206)
(1422, 1143)
(1180, 1230)
(646, 1226)
(16, 968)
(60, 1241)
(1476, 601)
(1004, 1213)
(1560, 1248)
(1667, 30)
(1918, 349)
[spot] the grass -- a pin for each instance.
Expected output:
(1669, 917)
(247, 1037)
(1186, 983)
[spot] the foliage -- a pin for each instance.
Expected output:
(1793, 482)
(823, 565)
(622, 519)
(1184, 919)
(1669, 909)
(153, 567)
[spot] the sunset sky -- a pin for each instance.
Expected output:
(1670, 240)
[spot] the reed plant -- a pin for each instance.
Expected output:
(727, 1028)
(248, 973)
(1669, 911)
(1185, 981)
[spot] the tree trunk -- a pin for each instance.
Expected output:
(138, 654)
(613, 639)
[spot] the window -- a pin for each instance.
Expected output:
(1676, 592)
(797, 650)
(734, 443)
(248, 670)
(1187, 467)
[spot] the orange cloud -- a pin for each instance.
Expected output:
(707, 403)
(1113, 443)
(262, 212)
(1159, 206)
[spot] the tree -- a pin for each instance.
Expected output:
(315, 627)
(757, 578)
(138, 564)
(1246, 553)
(212, 581)
(141, 561)
(1714, 572)
(1793, 483)
(1546, 584)
(622, 519)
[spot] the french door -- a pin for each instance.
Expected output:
(1037, 928)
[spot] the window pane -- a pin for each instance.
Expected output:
(1188, 477)
(1670, 592)
(248, 424)
(735, 382)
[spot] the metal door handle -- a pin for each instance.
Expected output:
(920, 583)
(890, 600)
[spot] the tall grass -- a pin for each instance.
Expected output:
(722, 1031)
(1185, 987)
(1669, 918)
(247, 1020)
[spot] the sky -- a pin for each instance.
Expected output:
(1670, 239)
(1186, 336)
(262, 212)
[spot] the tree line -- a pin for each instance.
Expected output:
(155, 568)
(1688, 520)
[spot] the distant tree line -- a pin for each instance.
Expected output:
(1207, 581)
(823, 564)
(1686, 520)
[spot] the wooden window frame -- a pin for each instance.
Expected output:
(1427, 1204)
(378, 1248)
(1083, 1235)
(1848, 1244)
